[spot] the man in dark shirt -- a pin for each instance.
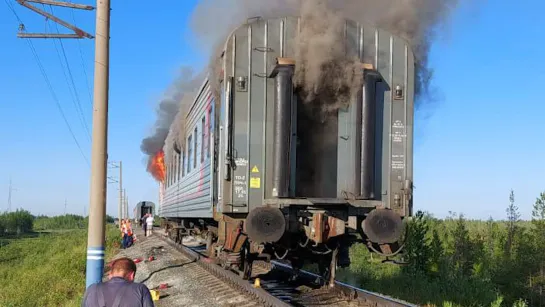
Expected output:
(144, 225)
(120, 290)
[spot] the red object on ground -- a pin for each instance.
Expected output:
(137, 260)
(151, 258)
(163, 286)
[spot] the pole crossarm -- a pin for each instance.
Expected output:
(78, 33)
(64, 4)
(46, 35)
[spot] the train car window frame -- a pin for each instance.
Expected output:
(172, 167)
(195, 141)
(203, 137)
(179, 158)
(175, 173)
(209, 140)
(167, 169)
(183, 163)
(171, 172)
(189, 152)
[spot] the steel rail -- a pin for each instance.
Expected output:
(268, 299)
(351, 291)
(233, 279)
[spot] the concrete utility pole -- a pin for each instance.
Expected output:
(127, 206)
(11, 189)
(124, 203)
(99, 151)
(120, 209)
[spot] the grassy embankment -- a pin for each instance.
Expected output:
(44, 265)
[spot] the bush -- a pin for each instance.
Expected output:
(68, 221)
(460, 262)
(20, 221)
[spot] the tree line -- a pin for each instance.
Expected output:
(461, 262)
(22, 221)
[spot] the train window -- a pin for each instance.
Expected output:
(189, 151)
(183, 163)
(209, 132)
(169, 172)
(203, 141)
(167, 169)
(175, 169)
(195, 151)
(179, 159)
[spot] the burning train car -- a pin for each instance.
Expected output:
(270, 169)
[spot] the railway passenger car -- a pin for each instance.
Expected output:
(256, 176)
(143, 208)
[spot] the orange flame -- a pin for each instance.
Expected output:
(156, 166)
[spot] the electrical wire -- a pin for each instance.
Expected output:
(75, 94)
(48, 83)
(83, 62)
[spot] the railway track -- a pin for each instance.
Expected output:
(277, 290)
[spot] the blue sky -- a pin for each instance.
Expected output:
(482, 138)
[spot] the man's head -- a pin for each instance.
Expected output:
(124, 268)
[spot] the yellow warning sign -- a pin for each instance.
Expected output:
(255, 183)
(254, 169)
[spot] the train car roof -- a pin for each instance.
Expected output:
(256, 19)
(196, 98)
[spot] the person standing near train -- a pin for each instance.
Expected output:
(149, 225)
(124, 234)
(129, 233)
(143, 222)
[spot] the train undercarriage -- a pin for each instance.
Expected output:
(298, 235)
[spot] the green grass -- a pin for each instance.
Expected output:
(47, 268)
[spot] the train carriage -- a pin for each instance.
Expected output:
(143, 208)
(188, 180)
(259, 178)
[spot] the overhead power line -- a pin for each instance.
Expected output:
(73, 90)
(43, 71)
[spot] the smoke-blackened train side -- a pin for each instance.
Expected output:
(264, 175)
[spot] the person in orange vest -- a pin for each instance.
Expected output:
(129, 233)
(124, 234)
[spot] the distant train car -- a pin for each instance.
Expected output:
(143, 208)
(255, 175)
